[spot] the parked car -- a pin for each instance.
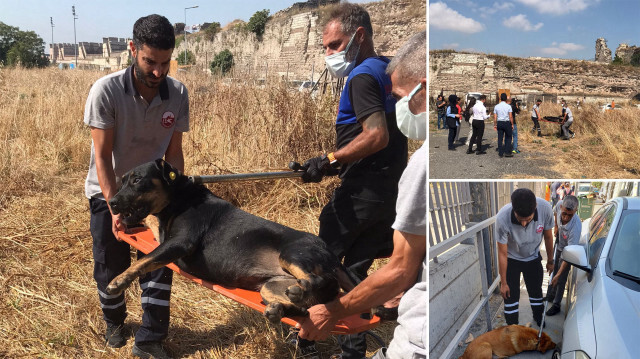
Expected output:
(608, 107)
(306, 86)
(603, 297)
(583, 189)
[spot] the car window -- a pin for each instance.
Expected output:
(595, 219)
(598, 234)
(626, 247)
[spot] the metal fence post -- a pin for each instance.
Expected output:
(480, 211)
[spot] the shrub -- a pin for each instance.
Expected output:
(258, 21)
(211, 31)
(222, 62)
(186, 57)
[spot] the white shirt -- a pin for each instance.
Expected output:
(479, 111)
(502, 110)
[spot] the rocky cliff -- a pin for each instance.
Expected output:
(292, 42)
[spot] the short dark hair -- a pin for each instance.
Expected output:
(503, 97)
(538, 100)
(523, 202)
(482, 97)
(351, 17)
(155, 31)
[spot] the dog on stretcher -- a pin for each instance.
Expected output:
(211, 239)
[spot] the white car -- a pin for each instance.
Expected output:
(608, 107)
(603, 316)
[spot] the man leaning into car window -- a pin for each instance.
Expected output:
(520, 227)
(568, 230)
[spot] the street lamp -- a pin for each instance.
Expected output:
(185, 31)
(75, 41)
(53, 53)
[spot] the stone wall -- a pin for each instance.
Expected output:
(476, 72)
(293, 43)
(625, 52)
(603, 53)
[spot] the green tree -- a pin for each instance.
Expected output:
(617, 60)
(25, 48)
(189, 59)
(257, 22)
(211, 31)
(222, 62)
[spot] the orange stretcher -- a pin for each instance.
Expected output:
(142, 239)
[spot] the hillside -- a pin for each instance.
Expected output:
(292, 42)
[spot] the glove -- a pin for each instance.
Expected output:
(316, 168)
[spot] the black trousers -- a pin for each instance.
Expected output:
(111, 258)
(536, 124)
(452, 136)
(557, 292)
(356, 225)
(504, 131)
(533, 274)
(476, 137)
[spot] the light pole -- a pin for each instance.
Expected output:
(185, 31)
(75, 41)
(53, 53)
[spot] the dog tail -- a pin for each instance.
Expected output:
(346, 279)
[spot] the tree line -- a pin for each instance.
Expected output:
(23, 48)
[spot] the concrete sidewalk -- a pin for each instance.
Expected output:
(553, 327)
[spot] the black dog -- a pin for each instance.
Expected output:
(208, 237)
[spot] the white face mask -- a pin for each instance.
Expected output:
(411, 125)
(337, 64)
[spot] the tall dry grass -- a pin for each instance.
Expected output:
(606, 145)
(48, 302)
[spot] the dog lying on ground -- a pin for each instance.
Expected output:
(507, 341)
(210, 238)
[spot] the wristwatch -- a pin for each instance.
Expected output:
(332, 160)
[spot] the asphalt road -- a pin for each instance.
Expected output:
(445, 164)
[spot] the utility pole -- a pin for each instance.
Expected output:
(185, 32)
(75, 41)
(53, 52)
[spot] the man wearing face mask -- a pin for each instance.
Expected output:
(371, 152)
(407, 265)
(136, 115)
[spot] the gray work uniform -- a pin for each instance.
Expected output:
(568, 234)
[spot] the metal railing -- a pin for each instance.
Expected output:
(449, 209)
(439, 248)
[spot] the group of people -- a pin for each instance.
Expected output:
(520, 228)
(450, 114)
(140, 114)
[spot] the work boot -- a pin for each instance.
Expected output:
(555, 309)
(469, 151)
(479, 152)
(115, 335)
(508, 154)
(150, 350)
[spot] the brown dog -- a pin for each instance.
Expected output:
(507, 341)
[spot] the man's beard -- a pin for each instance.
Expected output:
(144, 77)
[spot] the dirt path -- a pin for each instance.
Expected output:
(445, 164)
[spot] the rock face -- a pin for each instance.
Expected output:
(603, 54)
(476, 72)
(292, 43)
(626, 52)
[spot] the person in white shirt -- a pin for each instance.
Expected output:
(503, 123)
(535, 117)
(567, 121)
(477, 123)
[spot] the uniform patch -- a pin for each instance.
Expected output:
(540, 228)
(168, 119)
(565, 236)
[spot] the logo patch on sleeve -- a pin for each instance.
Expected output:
(168, 119)
(540, 228)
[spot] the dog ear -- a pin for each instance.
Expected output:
(169, 173)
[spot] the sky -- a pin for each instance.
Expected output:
(565, 29)
(115, 18)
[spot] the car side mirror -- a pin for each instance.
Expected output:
(576, 255)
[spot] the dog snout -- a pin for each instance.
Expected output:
(114, 204)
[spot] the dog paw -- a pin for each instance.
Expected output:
(117, 286)
(295, 293)
(274, 312)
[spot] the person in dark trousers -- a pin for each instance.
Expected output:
(503, 123)
(520, 228)
(568, 229)
(453, 117)
(441, 105)
(536, 116)
(371, 152)
(136, 115)
(477, 123)
(515, 108)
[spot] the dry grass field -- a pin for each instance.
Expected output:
(48, 302)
